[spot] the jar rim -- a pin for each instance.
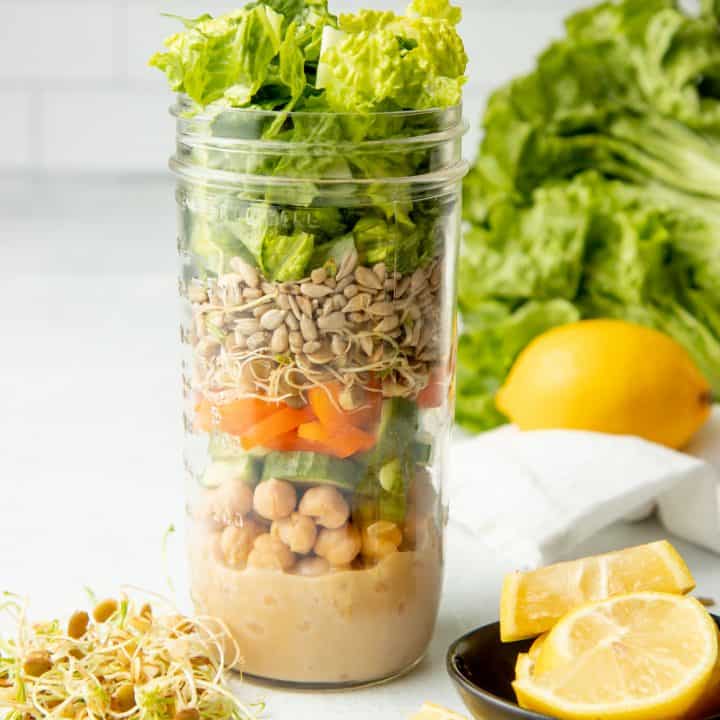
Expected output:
(429, 184)
(185, 104)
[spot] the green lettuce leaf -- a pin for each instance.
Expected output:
(228, 56)
(381, 61)
(286, 257)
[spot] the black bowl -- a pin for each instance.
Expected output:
(483, 669)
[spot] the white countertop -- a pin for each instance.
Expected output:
(90, 429)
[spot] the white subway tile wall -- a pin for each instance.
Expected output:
(76, 94)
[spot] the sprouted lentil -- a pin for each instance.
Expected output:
(127, 662)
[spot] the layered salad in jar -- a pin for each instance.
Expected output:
(320, 326)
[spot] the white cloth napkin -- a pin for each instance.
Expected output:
(533, 496)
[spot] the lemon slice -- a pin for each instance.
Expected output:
(536, 647)
(430, 711)
(643, 656)
(524, 666)
(533, 602)
(709, 702)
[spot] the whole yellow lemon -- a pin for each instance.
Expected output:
(607, 376)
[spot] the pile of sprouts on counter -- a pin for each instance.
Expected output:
(121, 660)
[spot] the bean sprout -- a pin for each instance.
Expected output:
(135, 664)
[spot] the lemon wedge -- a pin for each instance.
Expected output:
(532, 602)
(642, 656)
(430, 711)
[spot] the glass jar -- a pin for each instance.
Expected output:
(318, 259)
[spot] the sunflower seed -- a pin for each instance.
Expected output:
(383, 309)
(257, 340)
(308, 328)
(292, 322)
(358, 317)
(338, 345)
(327, 307)
(380, 271)
(247, 326)
(268, 288)
(417, 281)
(312, 290)
(279, 340)
(342, 284)
(387, 324)
(401, 287)
(294, 307)
(246, 271)
(357, 303)
(318, 276)
(366, 344)
(321, 357)
(296, 341)
(347, 264)
(365, 276)
(305, 305)
(334, 321)
(338, 302)
(252, 293)
(283, 301)
(351, 291)
(311, 347)
(331, 283)
(272, 319)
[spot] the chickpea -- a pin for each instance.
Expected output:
(339, 546)
(105, 609)
(237, 542)
(274, 499)
(380, 539)
(298, 532)
(187, 714)
(123, 699)
(78, 624)
(270, 553)
(37, 663)
(312, 566)
(228, 504)
(326, 505)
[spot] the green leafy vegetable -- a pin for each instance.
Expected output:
(597, 186)
(284, 54)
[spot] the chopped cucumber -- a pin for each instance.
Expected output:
(240, 469)
(222, 446)
(391, 476)
(312, 469)
(396, 432)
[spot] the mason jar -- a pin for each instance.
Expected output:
(318, 260)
